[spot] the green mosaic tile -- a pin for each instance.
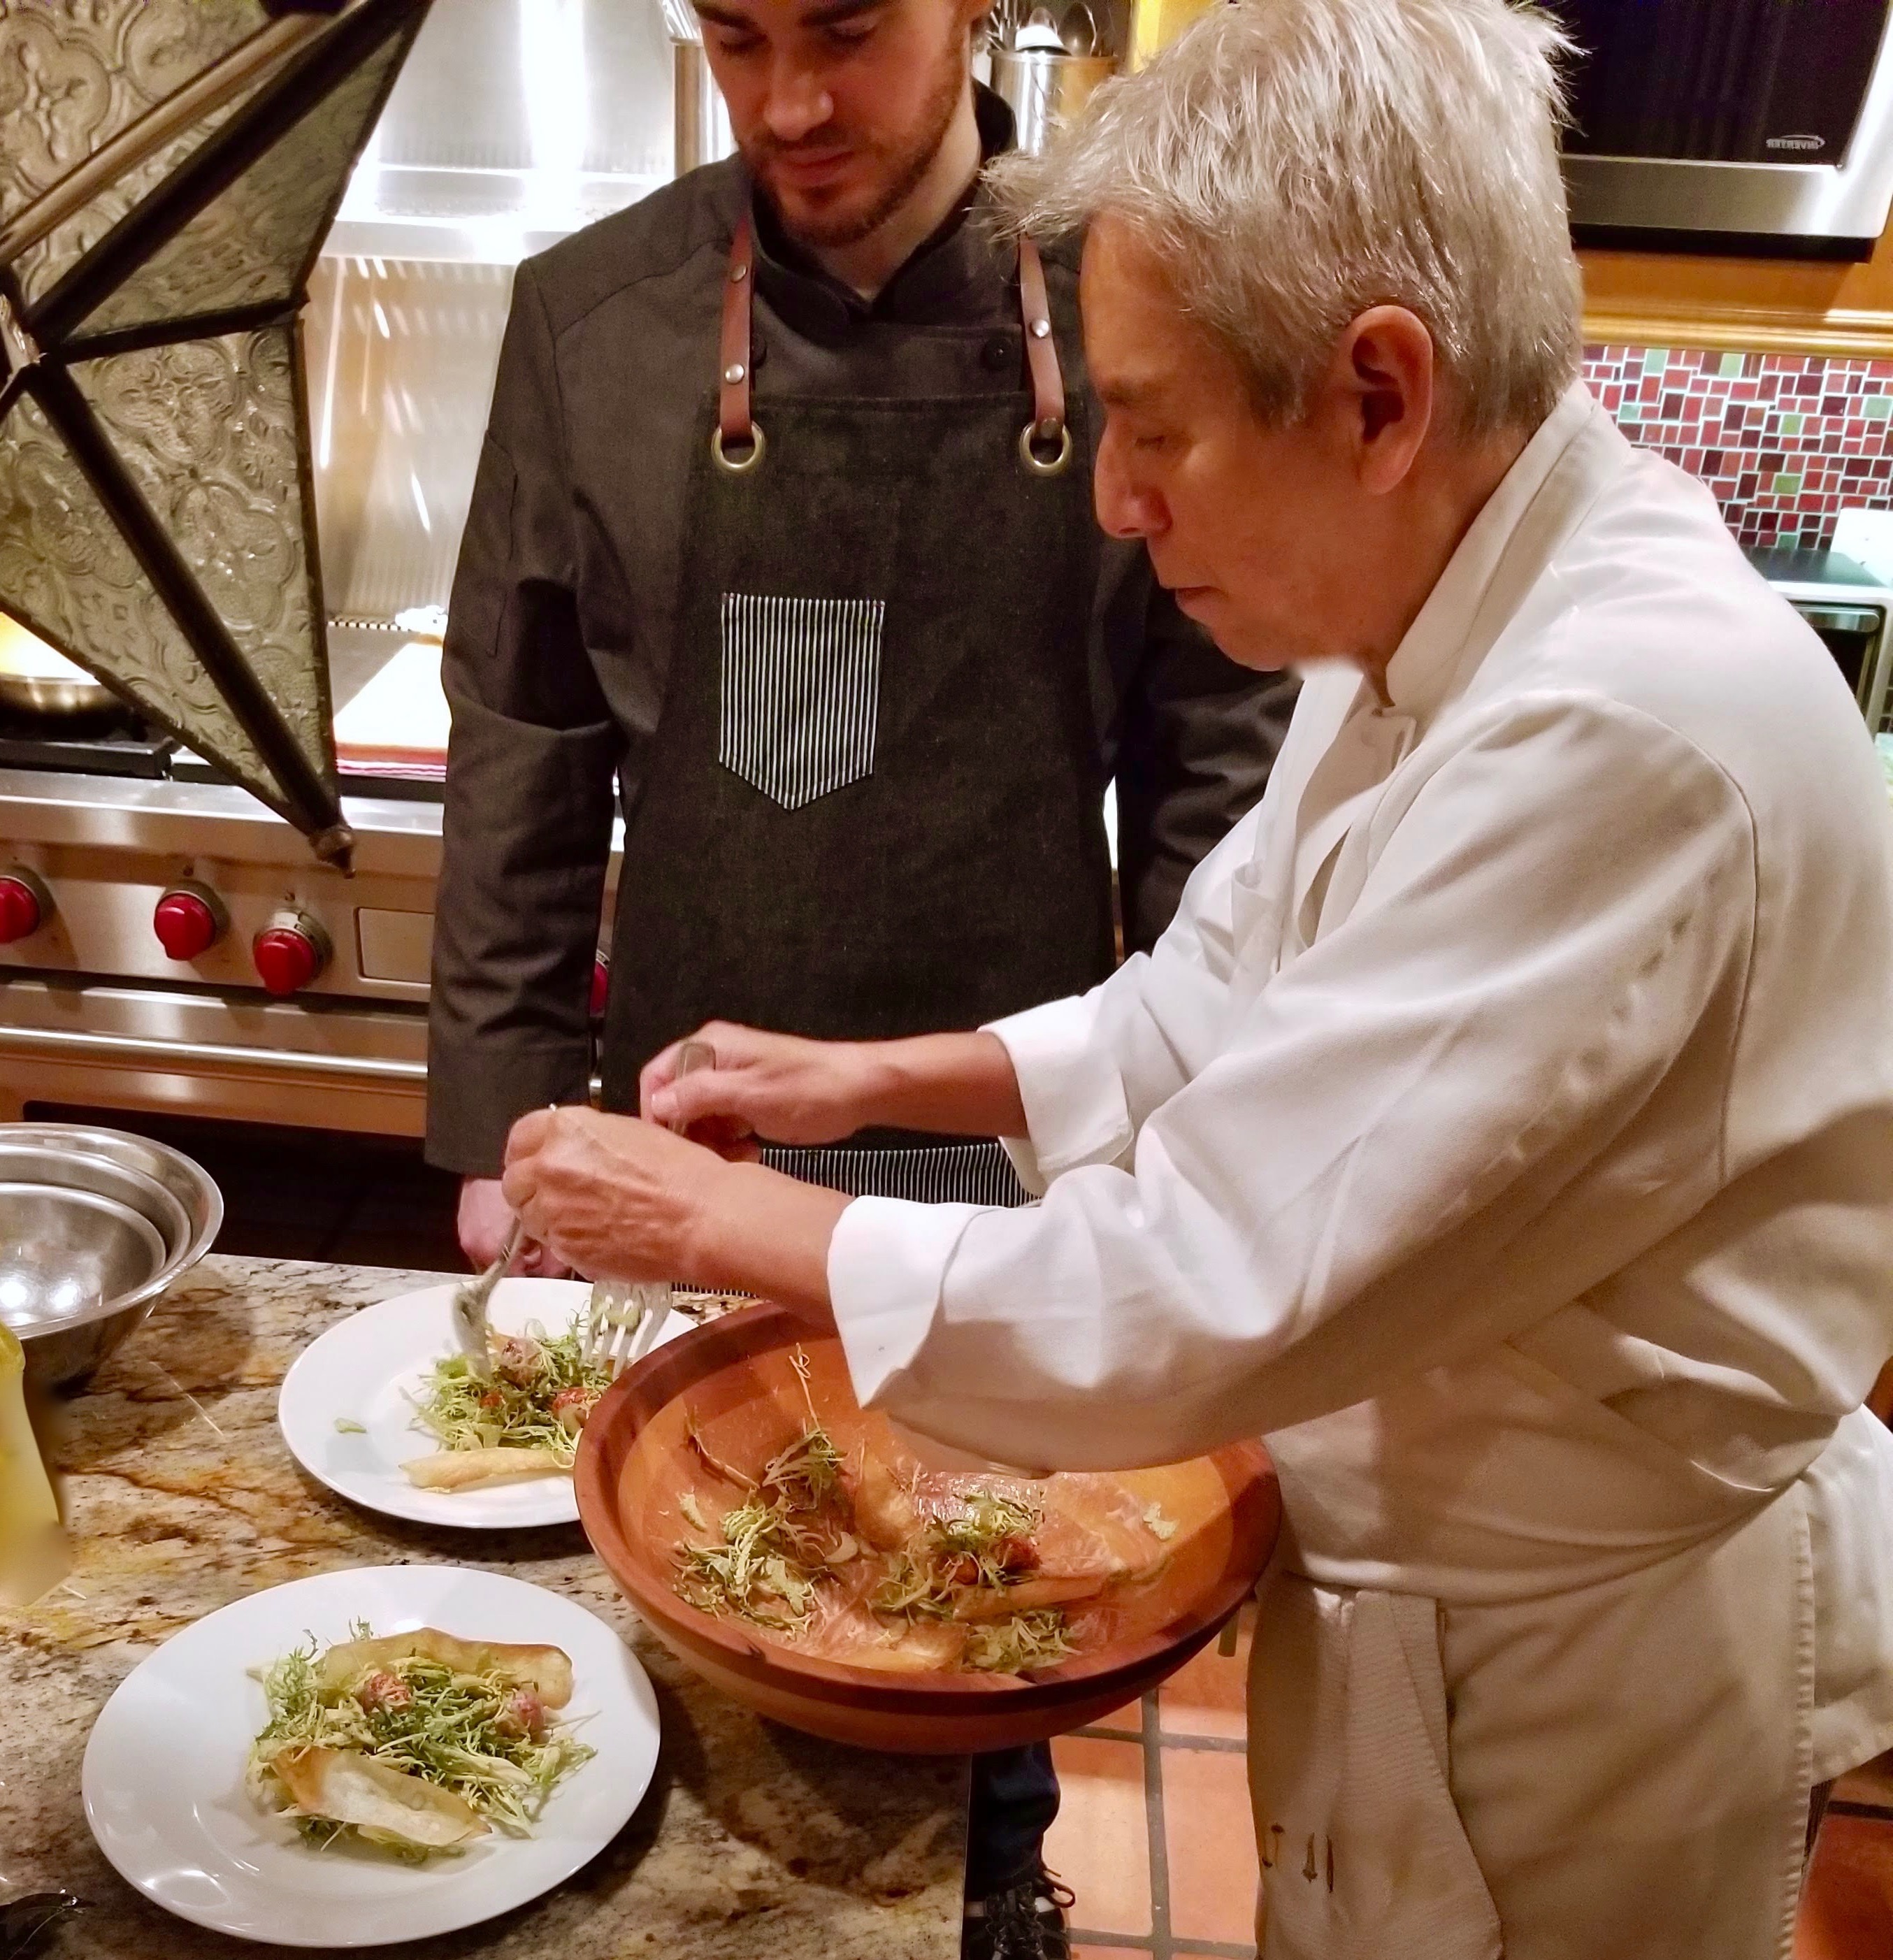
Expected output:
(1731, 368)
(1791, 424)
(1787, 486)
(1656, 359)
(1876, 408)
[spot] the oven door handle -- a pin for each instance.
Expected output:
(190, 1057)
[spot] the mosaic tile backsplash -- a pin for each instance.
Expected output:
(1785, 440)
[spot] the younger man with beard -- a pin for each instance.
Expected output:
(784, 522)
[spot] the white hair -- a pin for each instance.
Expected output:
(1293, 163)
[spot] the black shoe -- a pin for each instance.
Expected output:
(1027, 1923)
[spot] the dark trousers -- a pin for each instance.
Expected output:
(1015, 1799)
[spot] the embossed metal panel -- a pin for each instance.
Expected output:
(254, 245)
(208, 430)
(68, 574)
(73, 76)
(167, 169)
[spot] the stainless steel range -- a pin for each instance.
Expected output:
(168, 942)
(176, 949)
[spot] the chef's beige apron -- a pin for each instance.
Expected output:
(875, 803)
(1544, 1774)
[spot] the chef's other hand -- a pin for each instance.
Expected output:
(610, 1195)
(485, 1220)
(780, 1086)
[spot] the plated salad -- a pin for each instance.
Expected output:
(524, 1422)
(418, 1743)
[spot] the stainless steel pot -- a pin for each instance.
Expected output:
(158, 1186)
(1044, 89)
(57, 699)
(34, 680)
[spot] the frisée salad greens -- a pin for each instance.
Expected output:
(419, 1742)
(523, 1421)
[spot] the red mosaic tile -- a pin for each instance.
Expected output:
(1729, 431)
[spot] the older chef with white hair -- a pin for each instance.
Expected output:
(1504, 1129)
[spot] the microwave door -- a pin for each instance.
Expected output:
(1752, 81)
(1742, 124)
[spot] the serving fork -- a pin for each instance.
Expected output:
(470, 1300)
(623, 1318)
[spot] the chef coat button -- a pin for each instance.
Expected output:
(734, 373)
(738, 274)
(1040, 329)
(998, 353)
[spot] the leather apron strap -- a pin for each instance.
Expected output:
(738, 443)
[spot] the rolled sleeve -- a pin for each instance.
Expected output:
(1076, 1110)
(886, 1263)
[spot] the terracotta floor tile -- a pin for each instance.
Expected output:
(1847, 1912)
(1211, 1842)
(1100, 1846)
(1110, 1953)
(1129, 1718)
(1206, 1696)
(1873, 1784)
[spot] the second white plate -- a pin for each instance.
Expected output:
(370, 1369)
(164, 1774)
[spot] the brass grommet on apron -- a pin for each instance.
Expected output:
(1030, 436)
(741, 466)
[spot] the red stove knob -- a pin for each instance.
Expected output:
(25, 905)
(600, 986)
(290, 952)
(189, 920)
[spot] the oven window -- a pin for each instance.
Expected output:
(1852, 634)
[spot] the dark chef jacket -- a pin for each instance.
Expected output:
(561, 628)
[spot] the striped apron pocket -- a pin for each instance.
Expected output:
(800, 690)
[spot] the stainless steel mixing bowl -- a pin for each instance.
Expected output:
(65, 1252)
(86, 1170)
(168, 1195)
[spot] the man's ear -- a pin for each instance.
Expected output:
(1386, 364)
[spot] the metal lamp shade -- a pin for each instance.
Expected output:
(168, 170)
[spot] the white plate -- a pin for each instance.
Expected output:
(372, 1367)
(163, 1778)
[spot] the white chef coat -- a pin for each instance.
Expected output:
(1504, 1131)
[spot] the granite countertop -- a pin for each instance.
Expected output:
(754, 1841)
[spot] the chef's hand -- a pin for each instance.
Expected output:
(779, 1087)
(793, 1091)
(485, 1220)
(610, 1195)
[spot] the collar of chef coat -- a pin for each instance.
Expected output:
(1557, 478)
(1352, 742)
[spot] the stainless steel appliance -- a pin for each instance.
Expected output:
(166, 944)
(1732, 125)
(1852, 612)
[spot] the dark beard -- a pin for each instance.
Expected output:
(942, 106)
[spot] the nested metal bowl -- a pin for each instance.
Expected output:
(732, 1382)
(94, 1225)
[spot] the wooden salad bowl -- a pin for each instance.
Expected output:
(734, 1380)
